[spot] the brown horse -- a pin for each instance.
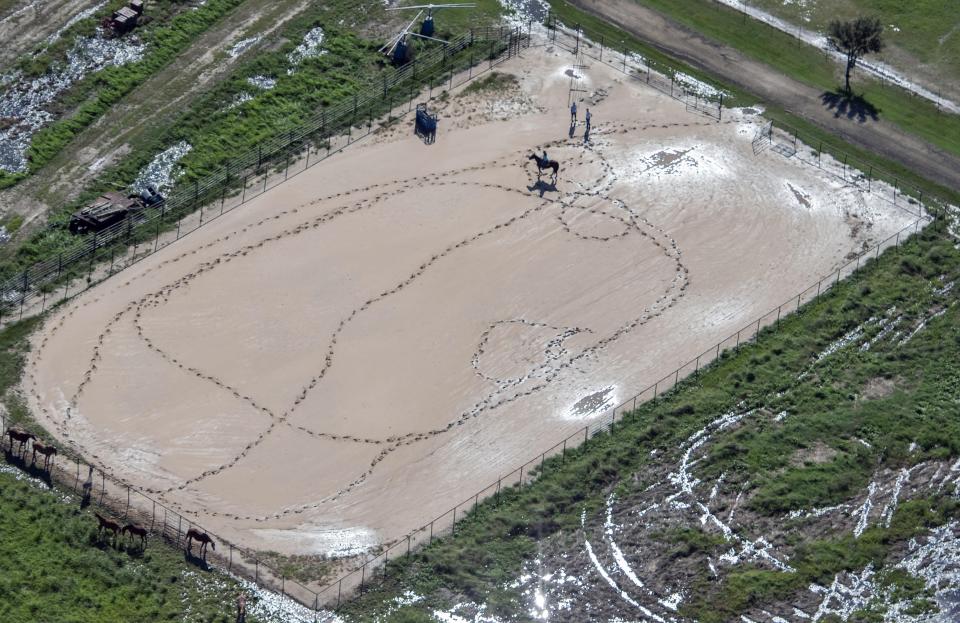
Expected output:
(545, 164)
(106, 525)
(201, 537)
(20, 436)
(135, 530)
(47, 450)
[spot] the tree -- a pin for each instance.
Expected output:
(855, 38)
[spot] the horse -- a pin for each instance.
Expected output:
(135, 530)
(105, 525)
(22, 437)
(47, 450)
(549, 164)
(203, 538)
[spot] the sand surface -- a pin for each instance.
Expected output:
(349, 355)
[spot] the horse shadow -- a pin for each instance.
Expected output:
(845, 104)
(196, 561)
(31, 469)
(542, 187)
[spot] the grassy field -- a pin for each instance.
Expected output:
(929, 30)
(807, 64)
(167, 35)
(54, 568)
(825, 408)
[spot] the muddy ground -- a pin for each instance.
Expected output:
(346, 356)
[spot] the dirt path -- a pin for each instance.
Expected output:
(155, 104)
(25, 24)
(733, 67)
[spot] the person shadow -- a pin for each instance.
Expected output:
(542, 187)
(845, 104)
(87, 490)
(573, 128)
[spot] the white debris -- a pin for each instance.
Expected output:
(162, 172)
(691, 85)
(24, 102)
(262, 82)
(242, 46)
(864, 510)
(84, 14)
(309, 48)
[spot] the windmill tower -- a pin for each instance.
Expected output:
(399, 48)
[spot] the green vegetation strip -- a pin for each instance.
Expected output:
(107, 87)
(492, 544)
(54, 568)
(788, 55)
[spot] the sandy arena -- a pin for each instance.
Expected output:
(347, 356)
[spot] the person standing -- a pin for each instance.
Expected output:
(587, 117)
(573, 114)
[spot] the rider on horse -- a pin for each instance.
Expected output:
(544, 158)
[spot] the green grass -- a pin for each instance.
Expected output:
(826, 407)
(807, 64)
(90, 98)
(54, 568)
(494, 81)
(927, 28)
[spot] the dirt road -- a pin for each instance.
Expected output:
(155, 104)
(733, 67)
(24, 25)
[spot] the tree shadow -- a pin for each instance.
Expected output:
(844, 103)
(542, 187)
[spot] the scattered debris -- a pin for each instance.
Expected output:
(24, 103)
(310, 48)
(262, 82)
(161, 173)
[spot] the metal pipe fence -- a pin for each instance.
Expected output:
(377, 567)
(582, 41)
(196, 202)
